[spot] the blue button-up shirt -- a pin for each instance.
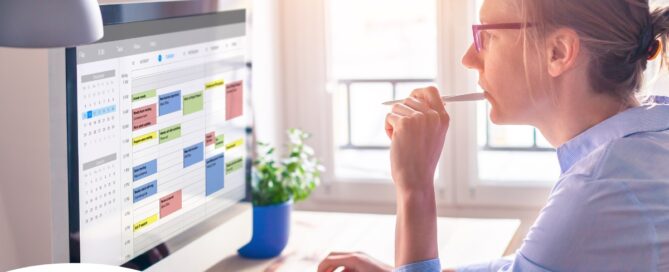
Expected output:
(609, 211)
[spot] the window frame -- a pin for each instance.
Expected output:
(305, 74)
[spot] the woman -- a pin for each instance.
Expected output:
(572, 69)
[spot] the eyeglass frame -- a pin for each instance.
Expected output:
(476, 31)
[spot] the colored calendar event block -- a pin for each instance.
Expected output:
(234, 165)
(170, 203)
(234, 144)
(169, 103)
(193, 103)
(143, 117)
(213, 84)
(143, 95)
(210, 138)
(144, 170)
(220, 141)
(145, 222)
(193, 154)
(234, 100)
(169, 133)
(215, 174)
(144, 138)
(144, 191)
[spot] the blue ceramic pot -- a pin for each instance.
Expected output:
(271, 227)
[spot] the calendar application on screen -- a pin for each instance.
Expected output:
(161, 134)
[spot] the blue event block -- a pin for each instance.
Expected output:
(193, 154)
(215, 174)
(144, 191)
(169, 103)
(144, 170)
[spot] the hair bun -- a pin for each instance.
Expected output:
(647, 45)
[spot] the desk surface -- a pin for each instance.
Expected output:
(314, 234)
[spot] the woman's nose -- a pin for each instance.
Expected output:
(471, 59)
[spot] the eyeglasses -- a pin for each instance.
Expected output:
(479, 40)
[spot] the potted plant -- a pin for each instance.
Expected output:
(275, 186)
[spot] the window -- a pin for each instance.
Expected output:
(375, 57)
(513, 154)
(365, 56)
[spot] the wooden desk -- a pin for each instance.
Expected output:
(315, 234)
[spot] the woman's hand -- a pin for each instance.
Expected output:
(417, 128)
(352, 262)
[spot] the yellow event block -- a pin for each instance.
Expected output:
(146, 222)
(234, 144)
(146, 137)
(213, 84)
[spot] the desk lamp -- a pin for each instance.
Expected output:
(49, 23)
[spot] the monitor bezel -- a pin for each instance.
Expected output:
(113, 15)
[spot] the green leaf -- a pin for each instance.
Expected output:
(294, 176)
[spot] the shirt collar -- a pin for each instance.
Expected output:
(652, 116)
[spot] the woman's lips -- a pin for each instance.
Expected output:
(486, 94)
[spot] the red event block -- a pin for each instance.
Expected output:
(170, 203)
(234, 100)
(143, 117)
(210, 138)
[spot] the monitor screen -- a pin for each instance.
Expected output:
(157, 132)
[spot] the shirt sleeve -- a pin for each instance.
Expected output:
(432, 265)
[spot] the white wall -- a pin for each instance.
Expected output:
(267, 97)
(24, 169)
(8, 256)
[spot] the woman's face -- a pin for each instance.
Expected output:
(502, 72)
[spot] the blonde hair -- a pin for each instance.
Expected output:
(614, 32)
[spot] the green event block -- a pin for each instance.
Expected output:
(234, 165)
(219, 141)
(170, 133)
(143, 95)
(193, 102)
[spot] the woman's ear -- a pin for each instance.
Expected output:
(563, 48)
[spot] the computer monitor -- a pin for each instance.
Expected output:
(157, 129)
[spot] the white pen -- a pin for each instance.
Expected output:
(452, 98)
